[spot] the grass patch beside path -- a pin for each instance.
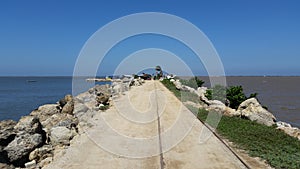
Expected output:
(277, 148)
(181, 95)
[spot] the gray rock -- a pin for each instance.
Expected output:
(60, 119)
(252, 110)
(80, 108)
(7, 132)
(29, 125)
(18, 150)
(97, 89)
(68, 108)
(45, 111)
(61, 136)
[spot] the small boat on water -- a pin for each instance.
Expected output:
(31, 81)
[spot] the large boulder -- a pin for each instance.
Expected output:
(218, 106)
(252, 110)
(65, 120)
(61, 135)
(201, 91)
(18, 150)
(45, 111)
(7, 132)
(29, 135)
(28, 125)
(102, 89)
(80, 108)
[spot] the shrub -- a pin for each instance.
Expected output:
(193, 82)
(234, 94)
(218, 92)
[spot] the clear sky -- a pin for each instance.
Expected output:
(257, 37)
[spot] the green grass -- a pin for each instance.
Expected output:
(268, 143)
(181, 95)
(277, 148)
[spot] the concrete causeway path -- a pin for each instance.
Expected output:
(148, 127)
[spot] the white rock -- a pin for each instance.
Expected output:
(283, 124)
(252, 110)
(288, 129)
(30, 164)
(218, 106)
(61, 135)
(178, 85)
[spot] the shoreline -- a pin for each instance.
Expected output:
(71, 115)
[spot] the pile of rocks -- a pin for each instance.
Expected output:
(33, 141)
(288, 129)
(137, 82)
(46, 132)
(250, 109)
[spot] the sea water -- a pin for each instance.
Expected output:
(20, 95)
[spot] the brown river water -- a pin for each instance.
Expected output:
(280, 94)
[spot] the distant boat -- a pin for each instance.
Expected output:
(30, 81)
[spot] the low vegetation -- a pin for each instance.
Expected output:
(182, 95)
(268, 143)
(234, 95)
(193, 82)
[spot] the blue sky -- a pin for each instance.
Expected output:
(252, 37)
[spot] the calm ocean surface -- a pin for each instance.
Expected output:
(18, 97)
